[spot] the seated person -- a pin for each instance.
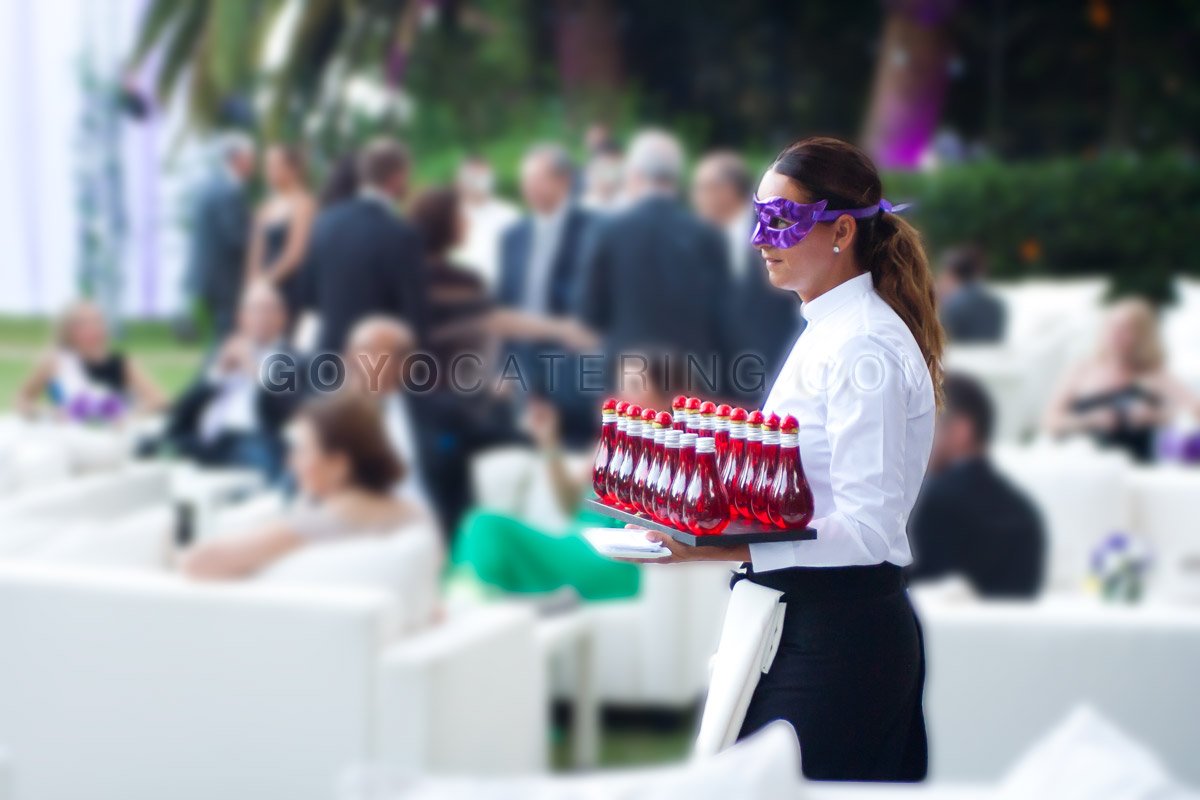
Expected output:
(345, 473)
(229, 417)
(375, 353)
(969, 520)
(969, 312)
(84, 379)
(496, 553)
(1122, 393)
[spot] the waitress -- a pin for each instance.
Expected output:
(864, 382)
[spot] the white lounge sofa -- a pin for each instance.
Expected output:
(141, 687)
(652, 650)
(1000, 674)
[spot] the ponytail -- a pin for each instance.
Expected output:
(893, 252)
(885, 244)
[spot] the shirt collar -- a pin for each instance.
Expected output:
(376, 196)
(838, 296)
(552, 220)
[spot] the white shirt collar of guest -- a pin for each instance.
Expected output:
(824, 305)
(377, 196)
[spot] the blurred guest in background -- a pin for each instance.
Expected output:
(364, 259)
(488, 216)
(220, 229)
(602, 177)
(282, 225)
(761, 322)
(969, 521)
(342, 181)
(344, 470)
(496, 552)
(229, 416)
(539, 274)
(969, 312)
(1123, 393)
(375, 355)
(84, 378)
(456, 293)
(653, 274)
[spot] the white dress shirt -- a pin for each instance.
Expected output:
(486, 224)
(737, 242)
(398, 423)
(858, 385)
(547, 233)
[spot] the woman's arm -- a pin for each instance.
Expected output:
(1061, 419)
(507, 323)
(230, 557)
(542, 423)
(148, 397)
(254, 252)
(34, 386)
(296, 247)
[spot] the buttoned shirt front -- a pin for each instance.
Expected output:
(858, 385)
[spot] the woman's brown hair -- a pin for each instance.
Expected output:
(435, 216)
(352, 425)
(886, 245)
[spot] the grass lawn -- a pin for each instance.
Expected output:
(22, 339)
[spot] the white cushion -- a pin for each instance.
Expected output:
(405, 563)
(141, 540)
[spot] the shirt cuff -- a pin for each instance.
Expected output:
(769, 556)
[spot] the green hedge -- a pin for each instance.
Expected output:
(1136, 219)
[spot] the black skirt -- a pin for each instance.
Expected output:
(849, 673)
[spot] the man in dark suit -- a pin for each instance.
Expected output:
(969, 312)
(969, 520)
(762, 322)
(656, 277)
(363, 258)
(539, 273)
(220, 229)
(229, 416)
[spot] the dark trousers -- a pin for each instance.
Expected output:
(849, 674)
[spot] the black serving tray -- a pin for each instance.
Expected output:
(737, 532)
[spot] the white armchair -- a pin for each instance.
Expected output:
(651, 650)
(144, 687)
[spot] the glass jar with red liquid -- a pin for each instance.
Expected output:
(721, 434)
(705, 503)
(693, 416)
(707, 426)
(760, 493)
(662, 424)
(679, 481)
(748, 469)
(629, 456)
(791, 498)
(617, 456)
(679, 414)
(734, 456)
(641, 468)
(604, 448)
(666, 475)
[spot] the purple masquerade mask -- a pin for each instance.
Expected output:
(784, 224)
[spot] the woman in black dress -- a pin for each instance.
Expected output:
(282, 226)
(84, 378)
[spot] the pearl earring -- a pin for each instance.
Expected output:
(837, 249)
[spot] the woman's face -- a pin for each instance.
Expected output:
(809, 268)
(87, 333)
(279, 171)
(318, 472)
(1123, 332)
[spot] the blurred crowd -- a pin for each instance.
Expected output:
(370, 344)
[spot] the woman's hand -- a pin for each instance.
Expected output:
(681, 553)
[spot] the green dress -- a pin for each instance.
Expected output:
(506, 553)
